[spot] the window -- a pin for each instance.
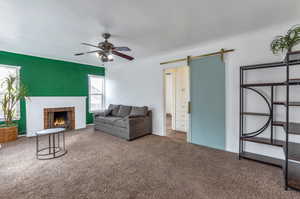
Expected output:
(96, 93)
(5, 71)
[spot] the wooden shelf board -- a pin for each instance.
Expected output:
(294, 52)
(294, 148)
(278, 123)
(262, 158)
(267, 141)
(254, 113)
(293, 175)
(294, 81)
(291, 82)
(294, 128)
(270, 65)
(294, 151)
(290, 104)
(263, 84)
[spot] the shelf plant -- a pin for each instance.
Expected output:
(285, 43)
(13, 93)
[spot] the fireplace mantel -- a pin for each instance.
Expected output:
(35, 111)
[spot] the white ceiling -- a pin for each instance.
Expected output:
(55, 28)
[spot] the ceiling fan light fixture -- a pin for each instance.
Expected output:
(106, 50)
(110, 57)
(103, 58)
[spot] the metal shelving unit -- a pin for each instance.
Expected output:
(291, 163)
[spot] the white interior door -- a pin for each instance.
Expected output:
(182, 98)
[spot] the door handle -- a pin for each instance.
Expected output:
(189, 107)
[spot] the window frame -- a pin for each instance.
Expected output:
(18, 105)
(90, 94)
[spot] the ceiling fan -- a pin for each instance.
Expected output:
(107, 50)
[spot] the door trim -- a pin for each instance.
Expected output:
(188, 133)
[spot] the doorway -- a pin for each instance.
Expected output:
(176, 99)
(197, 113)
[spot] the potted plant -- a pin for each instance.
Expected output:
(285, 43)
(13, 93)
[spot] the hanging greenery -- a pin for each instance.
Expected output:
(286, 42)
(12, 95)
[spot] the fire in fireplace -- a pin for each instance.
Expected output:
(59, 117)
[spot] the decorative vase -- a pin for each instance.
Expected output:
(8, 134)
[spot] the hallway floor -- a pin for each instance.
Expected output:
(176, 135)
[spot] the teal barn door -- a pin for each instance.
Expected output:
(207, 97)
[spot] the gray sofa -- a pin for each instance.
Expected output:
(128, 122)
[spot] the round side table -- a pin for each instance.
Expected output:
(56, 144)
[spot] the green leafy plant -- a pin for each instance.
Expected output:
(286, 42)
(12, 94)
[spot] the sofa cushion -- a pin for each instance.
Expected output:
(107, 120)
(114, 109)
(103, 113)
(138, 111)
(122, 123)
(124, 111)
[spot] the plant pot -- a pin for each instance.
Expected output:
(8, 134)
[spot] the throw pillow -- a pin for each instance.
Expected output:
(114, 109)
(107, 112)
(102, 113)
(124, 111)
(139, 111)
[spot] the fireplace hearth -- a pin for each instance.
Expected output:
(63, 117)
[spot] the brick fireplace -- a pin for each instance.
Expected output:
(63, 117)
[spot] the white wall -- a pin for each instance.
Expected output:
(141, 82)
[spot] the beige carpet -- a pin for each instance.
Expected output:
(102, 166)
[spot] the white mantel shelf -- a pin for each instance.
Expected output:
(35, 111)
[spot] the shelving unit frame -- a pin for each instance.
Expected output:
(291, 164)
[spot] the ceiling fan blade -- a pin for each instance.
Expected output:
(122, 48)
(94, 51)
(90, 45)
(77, 54)
(122, 55)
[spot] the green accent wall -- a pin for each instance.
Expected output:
(48, 77)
